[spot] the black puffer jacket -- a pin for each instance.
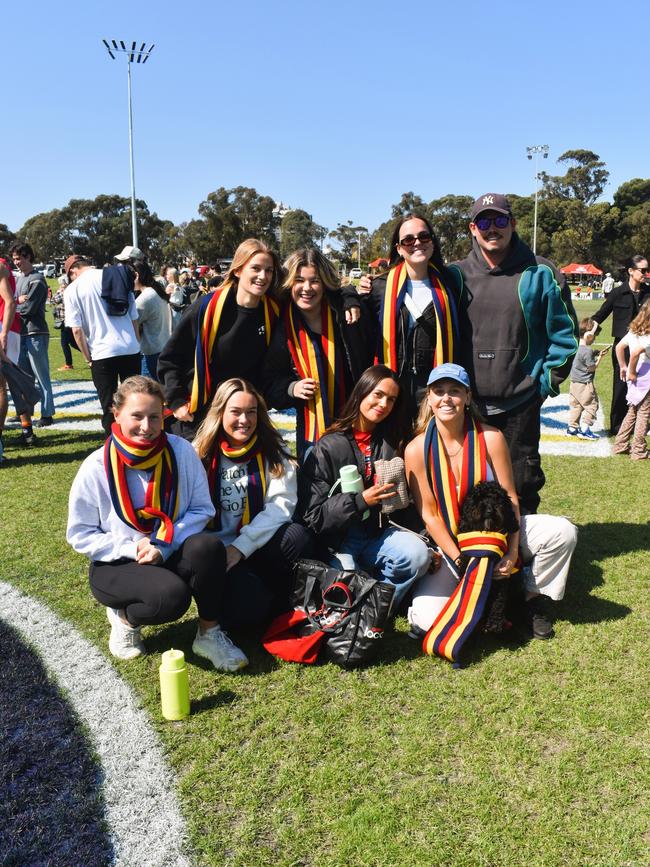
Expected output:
(279, 372)
(330, 517)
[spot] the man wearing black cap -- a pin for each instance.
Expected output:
(519, 334)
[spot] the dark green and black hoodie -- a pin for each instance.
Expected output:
(519, 330)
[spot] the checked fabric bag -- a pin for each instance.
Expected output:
(339, 613)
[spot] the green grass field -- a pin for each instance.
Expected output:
(536, 753)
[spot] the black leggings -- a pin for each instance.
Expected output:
(161, 594)
(247, 595)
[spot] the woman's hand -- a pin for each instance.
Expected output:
(182, 413)
(365, 285)
(622, 372)
(305, 389)
(505, 566)
(148, 554)
(352, 315)
(375, 495)
(233, 556)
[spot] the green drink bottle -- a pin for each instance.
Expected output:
(174, 686)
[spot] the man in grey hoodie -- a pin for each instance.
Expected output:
(519, 334)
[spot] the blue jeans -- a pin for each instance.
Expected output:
(34, 358)
(399, 558)
(149, 366)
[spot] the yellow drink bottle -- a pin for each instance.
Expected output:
(174, 685)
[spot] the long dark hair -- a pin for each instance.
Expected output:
(145, 276)
(436, 256)
(394, 428)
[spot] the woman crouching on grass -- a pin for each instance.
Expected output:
(138, 507)
(453, 451)
(350, 524)
(252, 482)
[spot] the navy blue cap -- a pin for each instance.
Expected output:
(449, 371)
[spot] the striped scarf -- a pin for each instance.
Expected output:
(316, 357)
(466, 605)
(161, 503)
(446, 318)
(210, 313)
(440, 475)
(251, 455)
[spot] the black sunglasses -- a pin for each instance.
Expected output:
(642, 270)
(484, 223)
(409, 240)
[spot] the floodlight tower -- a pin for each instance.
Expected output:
(536, 150)
(133, 55)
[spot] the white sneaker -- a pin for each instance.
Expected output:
(214, 644)
(125, 641)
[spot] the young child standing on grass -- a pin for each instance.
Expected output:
(583, 400)
(637, 374)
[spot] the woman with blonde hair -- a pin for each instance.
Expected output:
(252, 482)
(633, 431)
(454, 450)
(315, 356)
(223, 334)
(138, 508)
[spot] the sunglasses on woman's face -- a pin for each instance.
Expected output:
(409, 240)
(642, 270)
(484, 223)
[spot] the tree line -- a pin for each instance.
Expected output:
(572, 225)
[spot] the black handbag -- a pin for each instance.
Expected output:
(349, 606)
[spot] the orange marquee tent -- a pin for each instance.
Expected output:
(574, 268)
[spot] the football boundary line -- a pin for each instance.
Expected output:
(141, 806)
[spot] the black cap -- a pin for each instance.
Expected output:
(490, 202)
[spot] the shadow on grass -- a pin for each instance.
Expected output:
(220, 699)
(597, 542)
(86, 442)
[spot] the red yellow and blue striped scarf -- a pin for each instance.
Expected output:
(161, 503)
(316, 358)
(446, 318)
(210, 314)
(466, 605)
(440, 475)
(251, 455)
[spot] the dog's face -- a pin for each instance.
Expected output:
(487, 507)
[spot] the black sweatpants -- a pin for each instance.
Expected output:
(246, 595)
(106, 373)
(520, 427)
(619, 407)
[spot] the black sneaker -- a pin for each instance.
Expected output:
(27, 440)
(538, 617)
(46, 421)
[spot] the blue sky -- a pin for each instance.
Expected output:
(333, 107)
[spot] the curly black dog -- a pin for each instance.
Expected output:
(487, 507)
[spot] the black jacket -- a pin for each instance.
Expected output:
(624, 305)
(279, 372)
(238, 351)
(331, 517)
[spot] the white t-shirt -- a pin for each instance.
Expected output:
(107, 336)
(636, 341)
(155, 321)
(420, 292)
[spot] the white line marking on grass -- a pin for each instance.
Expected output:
(141, 806)
(554, 417)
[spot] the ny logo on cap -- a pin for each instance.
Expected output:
(488, 200)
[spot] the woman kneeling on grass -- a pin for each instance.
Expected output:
(350, 524)
(252, 481)
(452, 451)
(137, 510)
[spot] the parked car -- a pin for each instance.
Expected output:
(355, 273)
(49, 270)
